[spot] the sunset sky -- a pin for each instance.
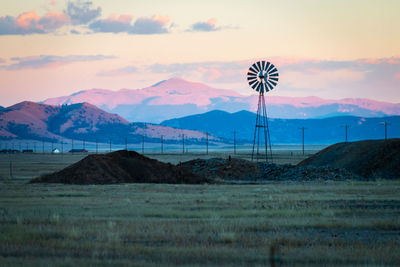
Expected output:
(331, 49)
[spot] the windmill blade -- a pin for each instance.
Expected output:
(274, 83)
(272, 71)
(267, 66)
(251, 74)
(263, 65)
(252, 82)
(266, 88)
(254, 86)
(273, 75)
(259, 65)
(250, 79)
(274, 79)
(271, 66)
(270, 86)
(252, 69)
(256, 67)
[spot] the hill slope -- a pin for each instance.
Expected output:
(369, 158)
(29, 120)
(176, 97)
(319, 131)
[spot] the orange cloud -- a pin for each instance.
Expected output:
(28, 19)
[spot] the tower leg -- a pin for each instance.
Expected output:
(261, 122)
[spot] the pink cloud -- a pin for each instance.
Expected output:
(54, 20)
(162, 19)
(397, 76)
(391, 60)
(212, 22)
(126, 18)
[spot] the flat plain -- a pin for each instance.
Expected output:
(332, 223)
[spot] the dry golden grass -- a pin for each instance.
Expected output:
(302, 223)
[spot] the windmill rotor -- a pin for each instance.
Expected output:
(262, 76)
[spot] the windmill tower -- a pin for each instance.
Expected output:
(262, 77)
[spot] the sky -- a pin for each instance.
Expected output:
(331, 49)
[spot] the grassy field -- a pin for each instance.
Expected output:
(292, 223)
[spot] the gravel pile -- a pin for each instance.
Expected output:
(287, 172)
(220, 170)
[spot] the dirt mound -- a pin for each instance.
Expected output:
(370, 158)
(121, 167)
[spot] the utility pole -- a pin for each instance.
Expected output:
(207, 143)
(385, 123)
(302, 130)
(162, 144)
(183, 143)
(346, 127)
(142, 144)
(83, 143)
(34, 147)
(234, 142)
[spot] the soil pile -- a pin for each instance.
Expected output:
(121, 167)
(370, 158)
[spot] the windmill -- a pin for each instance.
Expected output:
(262, 77)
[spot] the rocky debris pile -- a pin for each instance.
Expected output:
(220, 170)
(121, 167)
(224, 169)
(369, 158)
(288, 172)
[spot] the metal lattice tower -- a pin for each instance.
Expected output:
(262, 77)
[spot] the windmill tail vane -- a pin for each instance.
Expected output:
(262, 76)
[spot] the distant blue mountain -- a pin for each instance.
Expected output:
(286, 131)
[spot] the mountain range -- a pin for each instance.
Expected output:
(176, 98)
(33, 121)
(287, 131)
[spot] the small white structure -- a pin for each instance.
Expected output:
(55, 151)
